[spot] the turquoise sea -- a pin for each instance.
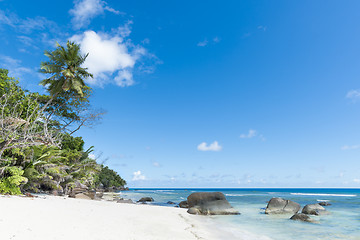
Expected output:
(343, 222)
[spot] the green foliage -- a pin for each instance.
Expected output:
(65, 67)
(109, 178)
(72, 143)
(44, 167)
(18, 100)
(11, 180)
(68, 102)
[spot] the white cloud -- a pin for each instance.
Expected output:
(138, 176)
(252, 133)
(110, 56)
(124, 78)
(202, 43)
(92, 156)
(350, 147)
(124, 31)
(356, 180)
(353, 94)
(85, 10)
(211, 147)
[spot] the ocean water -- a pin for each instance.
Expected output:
(343, 222)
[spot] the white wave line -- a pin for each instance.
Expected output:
(324, 194)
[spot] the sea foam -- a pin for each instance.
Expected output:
(324, 194)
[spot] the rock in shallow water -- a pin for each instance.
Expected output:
(125, 201)
(210, 203)
(302, 217)
(146, 199)
(281, 206)
(314, 209)
(324, 204)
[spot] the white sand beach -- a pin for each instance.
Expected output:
(50, 218)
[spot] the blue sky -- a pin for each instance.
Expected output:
(208, 93)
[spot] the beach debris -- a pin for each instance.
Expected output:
(281, 206)
(314, 209)
(184, 204)
(210, 203)
(146, 199)
(324, 203)
(170, 202)
(302, 217)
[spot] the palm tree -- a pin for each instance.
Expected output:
(65, 67)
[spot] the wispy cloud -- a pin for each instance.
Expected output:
(350, 147)
(27, 25)
(262, 28)
(138, 176)
(8, 20)
(203, 43)
(216, 39)
(356, 180)
(353, 95)
(41, 29)
(85, 10)
(252, 133)
(14, 66)
(145, 41)
(211, 147)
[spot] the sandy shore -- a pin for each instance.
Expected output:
(48, 218)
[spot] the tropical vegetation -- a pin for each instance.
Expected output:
(38, 149)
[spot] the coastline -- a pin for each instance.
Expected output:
(54, 217)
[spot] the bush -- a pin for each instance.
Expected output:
(11, 180)
(109, 178)
(72, 143)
